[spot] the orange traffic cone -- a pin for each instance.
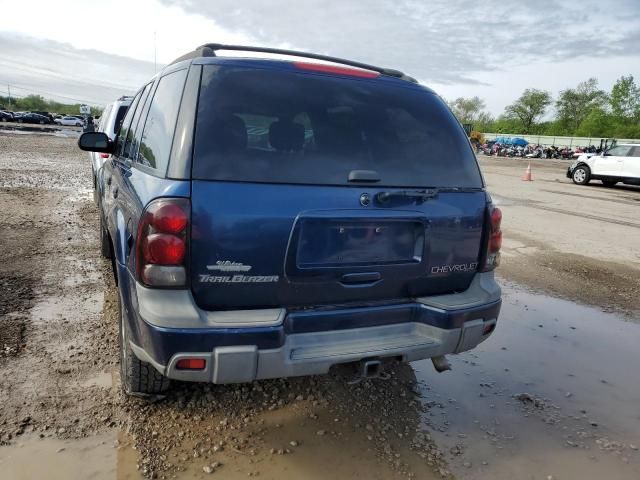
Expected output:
(528, 177)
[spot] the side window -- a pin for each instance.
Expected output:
(157, 135)
(635, 152)
(131, 145)
(122, 110)
(126, 123)
(619, 151)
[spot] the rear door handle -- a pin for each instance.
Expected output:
(360, 278)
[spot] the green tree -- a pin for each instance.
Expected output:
(505, 124)
(625, 100)
(527, 109)
(469, 110)
(575, 104)
(598, 123)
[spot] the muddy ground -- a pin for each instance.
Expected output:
(555, 386)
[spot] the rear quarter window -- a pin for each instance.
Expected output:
(159, 127)
(282, 126)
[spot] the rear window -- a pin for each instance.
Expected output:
(275, 126)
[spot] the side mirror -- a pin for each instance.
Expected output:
(95, 142)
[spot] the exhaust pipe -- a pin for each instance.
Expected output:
(441, 364)
(370, 368)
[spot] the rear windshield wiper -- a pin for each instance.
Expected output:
(423, 195)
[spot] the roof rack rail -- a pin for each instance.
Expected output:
(126, 97)
(209, 50)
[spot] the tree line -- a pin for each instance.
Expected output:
(37, 103)
(583, 111)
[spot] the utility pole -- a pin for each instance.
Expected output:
(9, 90)
(155, 69)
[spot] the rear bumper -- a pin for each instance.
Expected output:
(284, 344)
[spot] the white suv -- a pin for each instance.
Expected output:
(620, 163)
(110, 122)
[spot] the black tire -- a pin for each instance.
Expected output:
(41, 122)
(581, 175)
(137, 378)
(105, 244)
(20, 120)
(609, 183)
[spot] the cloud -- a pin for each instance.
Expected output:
(67, 74)
(441, 41)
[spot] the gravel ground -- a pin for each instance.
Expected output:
(58, 323)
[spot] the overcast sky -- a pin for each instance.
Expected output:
(94, 51)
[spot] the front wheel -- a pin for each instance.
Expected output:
(138, 378)
(581, 175)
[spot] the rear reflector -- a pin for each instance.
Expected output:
(191, 364)
(353, 72)
(488, 328)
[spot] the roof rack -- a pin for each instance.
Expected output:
(209, 50)
(126, 97)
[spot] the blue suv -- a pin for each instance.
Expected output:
(269, 218)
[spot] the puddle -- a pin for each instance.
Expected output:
(53, 459)
(40, 130)
(102, 379)
(577, 364)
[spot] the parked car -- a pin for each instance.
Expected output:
(619, 164)
(6, 116)
(44, 114)
(268, 219)
(31, 117)
(109, 123)
(70, 121)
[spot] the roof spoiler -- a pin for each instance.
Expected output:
(209, 50)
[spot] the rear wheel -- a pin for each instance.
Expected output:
(105, 244)
(609, 183)
(581, 175)
(137, 377)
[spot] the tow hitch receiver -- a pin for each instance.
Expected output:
(370, 368)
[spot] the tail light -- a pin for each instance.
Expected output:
(105, 155)
(494, 240)
(162, 243)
